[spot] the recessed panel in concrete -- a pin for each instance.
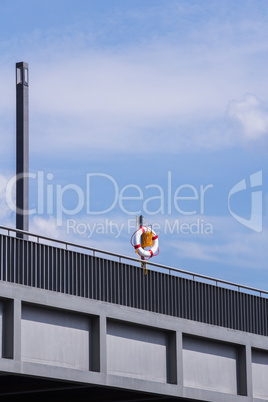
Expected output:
(135, 351)
(260, 374)
(209, 365)
(55, 337)
(2, 329)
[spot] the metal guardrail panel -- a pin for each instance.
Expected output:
(53, 268)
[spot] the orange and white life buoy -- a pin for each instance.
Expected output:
(137, 242)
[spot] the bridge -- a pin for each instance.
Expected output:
(81, 323)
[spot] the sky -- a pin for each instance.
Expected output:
(149, 107)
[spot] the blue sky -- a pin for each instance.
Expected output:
(151, 100)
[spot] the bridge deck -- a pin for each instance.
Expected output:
(75, 322)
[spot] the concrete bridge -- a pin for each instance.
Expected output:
(83, 324)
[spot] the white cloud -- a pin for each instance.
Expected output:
(166, 84)
(230, 244)
(5, 211)
(252, 115)
(46, 227)
(98, 235)
(112, 99)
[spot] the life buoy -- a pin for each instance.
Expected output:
(137, 242)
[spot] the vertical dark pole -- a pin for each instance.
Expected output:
(141, 220)
(22, 146)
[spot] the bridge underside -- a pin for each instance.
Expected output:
(18, 387)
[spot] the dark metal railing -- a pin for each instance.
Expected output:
(87, 272)
(165, 268)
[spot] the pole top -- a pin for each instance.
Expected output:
(22, 74)
(22, 64)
